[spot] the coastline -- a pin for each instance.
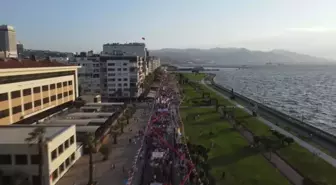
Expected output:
(268, 113)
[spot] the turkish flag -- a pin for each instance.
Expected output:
(143, 38)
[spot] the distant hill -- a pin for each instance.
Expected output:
(234, 56)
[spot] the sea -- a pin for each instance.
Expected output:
(304, 92)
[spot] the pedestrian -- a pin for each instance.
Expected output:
(123, 169)
(223, 175)
(113, 166)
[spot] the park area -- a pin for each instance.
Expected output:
(230, 152)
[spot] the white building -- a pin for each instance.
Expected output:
(153, 63)
(110, 76)
(8, 42)
(19, 159)
(127, 49)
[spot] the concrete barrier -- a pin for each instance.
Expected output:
(280, 115)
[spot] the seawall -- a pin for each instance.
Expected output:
(268, 112)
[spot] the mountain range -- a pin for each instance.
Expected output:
(234, 56)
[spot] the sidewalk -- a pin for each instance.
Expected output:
(122, 154)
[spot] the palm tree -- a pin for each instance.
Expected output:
(90, 144)
(38, 135)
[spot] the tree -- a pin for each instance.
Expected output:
(38, 136)
(89, 143)
(105, 151)
(121, 125)
(114, 134)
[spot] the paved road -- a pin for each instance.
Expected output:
(122, 155)
(302, 143)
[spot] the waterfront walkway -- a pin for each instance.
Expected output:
(302, 143)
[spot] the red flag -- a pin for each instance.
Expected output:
(143, 38)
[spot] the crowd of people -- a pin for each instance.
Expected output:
(163, 152)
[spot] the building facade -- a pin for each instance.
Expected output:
(19, 160)
(110, 76)
(8, 42)
(153, 63)
(128, 49)
(28, 88)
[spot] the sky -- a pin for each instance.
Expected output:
(307, 26)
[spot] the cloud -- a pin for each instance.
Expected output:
(311, 29)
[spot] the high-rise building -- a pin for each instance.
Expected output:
(8, 42)
(20, 49)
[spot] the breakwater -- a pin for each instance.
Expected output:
(317, 135)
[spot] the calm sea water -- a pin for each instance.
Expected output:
(304, 92)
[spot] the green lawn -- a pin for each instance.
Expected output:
(311, 166)
(231, 154)
(194, 76)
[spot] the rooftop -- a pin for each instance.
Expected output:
(27, 63)
(125, 44)
(6, 28)
(18, 134)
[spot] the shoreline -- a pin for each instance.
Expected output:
(277, 115)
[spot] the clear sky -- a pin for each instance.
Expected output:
(73, 25)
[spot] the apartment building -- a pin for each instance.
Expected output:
(31, 88)
(110, 76)
(19, 160)
(153, 63)
(127, 49)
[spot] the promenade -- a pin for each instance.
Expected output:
(311, 148)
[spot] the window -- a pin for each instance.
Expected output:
(45, 88)
(59, 85)
(65, 94)
(70, 82)
(66, 144)
(61, 168)
(54, 154)
(119, 69)
(35, 159)
(125, 64)
(26, 92)
(4, 113)
(119, 85)
(16, 109)
(21, 159)
(5, 159)
(111, 64)
(60, 150)
(73, 156)
(36, 180)
(37, 103)
(124, 69)
(37, 89)
(6, 179)
(3, 97)
(67, 162)
(72, 140)
(52, 86)
(125, 84)
(53, 98)
(45, 100)
(125, 79)
(65, 84)
(119, 79)
(70, 92)
(54, 175)
(28, 106)
(15, 94)
(59, 96)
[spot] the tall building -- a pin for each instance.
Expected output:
(19, 160)
(7, 42)
(20, 49)
(30, 89)
(153, 63)
(110, 76)
(128, 49)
